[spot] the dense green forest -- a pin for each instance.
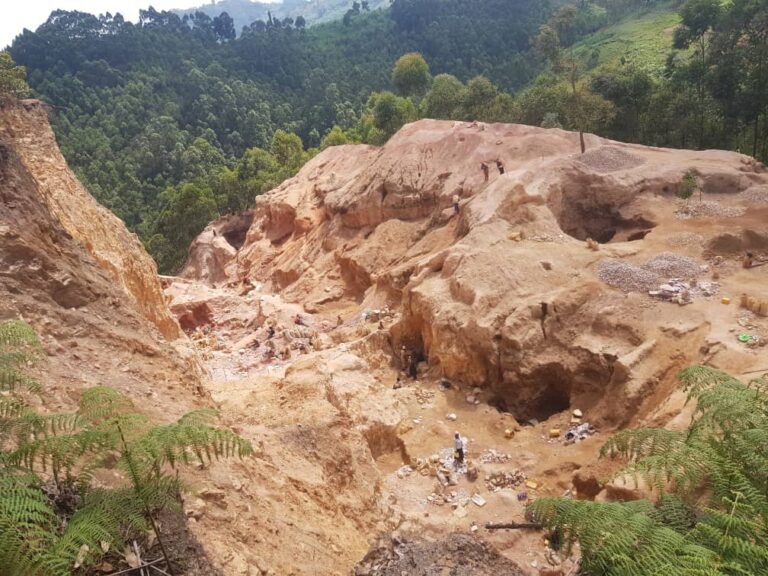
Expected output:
(174, 120)
(153, 114)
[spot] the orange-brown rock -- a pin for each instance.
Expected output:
(505, 295)
(24, 126)
(87, 286)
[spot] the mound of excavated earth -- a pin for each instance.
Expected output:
(528, 303)
(506, 295)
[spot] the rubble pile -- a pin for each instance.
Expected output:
(755, 195)
(671, 265)
(626, 277)
(683, 292)
(492, 456)
(500, 480)
(579, 433)
(453, 497)
(668, 276)
(708, 209)
(610, 159)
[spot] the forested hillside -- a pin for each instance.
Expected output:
(172, 121)
(141, 108)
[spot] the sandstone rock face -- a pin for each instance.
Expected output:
(216, 247)
(24, 126)
(72, 270)
(505, 294)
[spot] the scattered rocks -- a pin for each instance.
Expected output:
(454, 554)
(708, 209)
(609, 159)
(579, 433)
(626, 277)
(492, 456)
(683, 292)
(500, 480)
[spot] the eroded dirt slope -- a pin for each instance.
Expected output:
(517, 310)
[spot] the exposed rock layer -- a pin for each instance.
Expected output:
(503, 295)
(74, 272)
(24, 126)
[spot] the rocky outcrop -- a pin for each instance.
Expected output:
(505, 294)
(24, 127)
(74, 272)
(216, 248)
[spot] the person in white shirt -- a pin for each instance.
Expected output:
(458, 444)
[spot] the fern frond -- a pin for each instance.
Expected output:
(19, 347)
(27, 526)
(101, 403)
(189, 441)
(641, 443)
(60, 454)
(11, 379)
(623, 539)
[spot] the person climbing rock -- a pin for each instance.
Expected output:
(339, 320)
(298, 320)
(270, 332)
(455, 203)
(484, 168)
(500, 166)
(458, 446)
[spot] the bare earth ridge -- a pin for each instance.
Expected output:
(505, 308)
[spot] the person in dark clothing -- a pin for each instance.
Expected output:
(270, 332)
(500, 166)
(413, 371)
(484, 168)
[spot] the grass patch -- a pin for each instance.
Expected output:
(643, 39)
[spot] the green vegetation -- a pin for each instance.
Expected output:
(143, 110)
(53, 517)
(713, 517)
(642, 40)
(159, 118)
(688, 185)
(13, 78)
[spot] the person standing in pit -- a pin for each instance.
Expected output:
(458, 445)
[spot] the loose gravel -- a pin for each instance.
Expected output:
(649, 276)
(708, 209)
(610, 159)
(670, 265)
(685, 239)
(755, 195)
(626, 276)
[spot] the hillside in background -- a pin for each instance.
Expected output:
(644, 39)
(244, 12)
(174, 121)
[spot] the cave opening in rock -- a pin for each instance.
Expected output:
(602, 223)
(536, 396)
(234, 228)
(236, 238)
